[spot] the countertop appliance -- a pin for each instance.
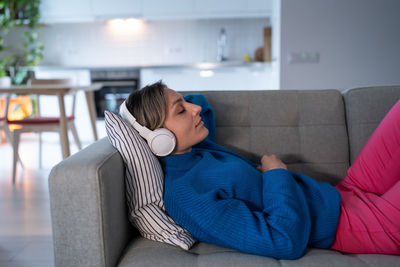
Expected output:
(117, 85)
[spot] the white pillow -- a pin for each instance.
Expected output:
(144, 182)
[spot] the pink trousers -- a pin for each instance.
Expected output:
(369, 219)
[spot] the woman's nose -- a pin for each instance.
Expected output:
(195, 109)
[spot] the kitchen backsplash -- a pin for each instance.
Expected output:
(149, 43)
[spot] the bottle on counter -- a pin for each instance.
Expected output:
(222, 46)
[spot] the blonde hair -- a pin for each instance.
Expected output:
(149, 105)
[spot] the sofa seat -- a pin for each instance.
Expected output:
(144, 252)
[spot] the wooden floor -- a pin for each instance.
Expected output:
(25, 224)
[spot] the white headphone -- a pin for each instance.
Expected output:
(161, 141)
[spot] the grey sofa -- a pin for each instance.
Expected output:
(316, 132)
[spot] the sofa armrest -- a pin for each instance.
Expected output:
(88, 207)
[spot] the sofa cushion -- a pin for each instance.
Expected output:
(306, 129)
(365, 109)
(144, 185)
(142, 252)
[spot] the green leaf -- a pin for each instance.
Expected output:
(20, 13)
(20, 76)
(5, 60)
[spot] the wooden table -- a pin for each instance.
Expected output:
(60, 91)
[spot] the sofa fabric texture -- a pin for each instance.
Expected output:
(309, 130)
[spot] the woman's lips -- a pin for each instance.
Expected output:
(200, 123)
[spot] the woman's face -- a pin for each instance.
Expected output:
(184, 121)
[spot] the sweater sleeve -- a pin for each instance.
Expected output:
(207, 113)
(280, 230)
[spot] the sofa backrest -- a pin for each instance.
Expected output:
(305, 128)
(365, 108)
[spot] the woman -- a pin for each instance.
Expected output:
(224, 199)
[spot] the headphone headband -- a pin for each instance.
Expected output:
(124, 112)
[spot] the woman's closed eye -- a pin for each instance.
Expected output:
(182, 111)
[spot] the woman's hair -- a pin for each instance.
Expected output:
(149, 105)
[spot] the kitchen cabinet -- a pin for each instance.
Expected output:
(206, 9)
(59, 11)
(54, 11)
(159, 9)
(241, 76)
(106, 9)
(233, 9)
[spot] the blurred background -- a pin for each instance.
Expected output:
(190, 45)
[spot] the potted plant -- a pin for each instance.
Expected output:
(16, 61)
(31, 56)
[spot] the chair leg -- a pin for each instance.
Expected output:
(15, 144)
(7, 134)
(9, 138)
(40, 150)
(76, 137)
(2, 137)
(20, 162)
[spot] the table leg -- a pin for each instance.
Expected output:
(64, 130)
(92, 112)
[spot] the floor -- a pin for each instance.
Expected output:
(25, 224)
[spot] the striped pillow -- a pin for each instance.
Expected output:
(144, 185)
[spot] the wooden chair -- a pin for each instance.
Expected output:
(41, 124)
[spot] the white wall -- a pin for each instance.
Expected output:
(152, 43)
(358, 42)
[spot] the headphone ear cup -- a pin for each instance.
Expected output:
(161, 141)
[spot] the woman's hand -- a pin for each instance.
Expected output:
(270, 162)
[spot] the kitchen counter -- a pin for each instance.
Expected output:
(230, 75)
(201, 65)
(226, 75)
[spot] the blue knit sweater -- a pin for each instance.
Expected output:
(222, 199)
